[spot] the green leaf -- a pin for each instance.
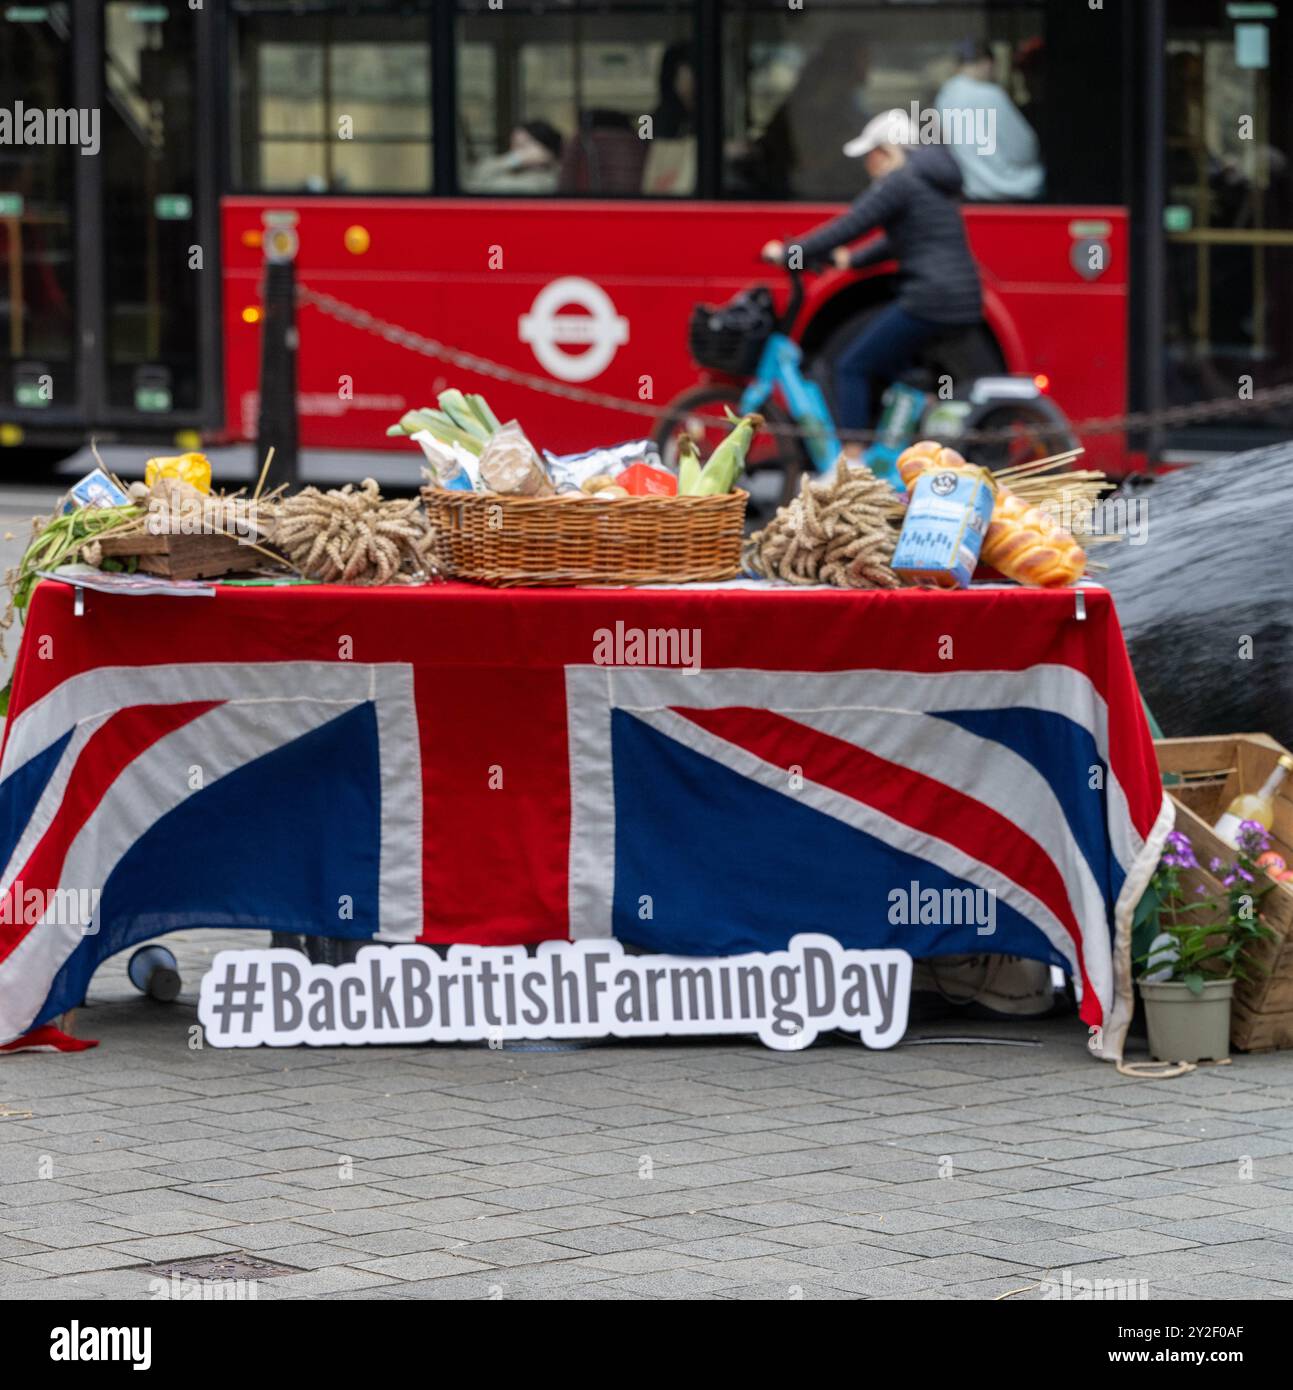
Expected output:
(1145, 922)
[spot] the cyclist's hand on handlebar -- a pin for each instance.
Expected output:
(842, 257)
(774, 251)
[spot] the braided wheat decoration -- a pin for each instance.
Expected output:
(352, 537)
(838, 531)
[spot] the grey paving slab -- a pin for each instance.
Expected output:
(708, 1170)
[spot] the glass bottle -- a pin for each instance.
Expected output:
(1258, 806)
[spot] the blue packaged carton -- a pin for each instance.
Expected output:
(947, 517)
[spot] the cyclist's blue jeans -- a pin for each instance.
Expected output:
(883, 349)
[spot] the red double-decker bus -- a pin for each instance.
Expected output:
(552, 185)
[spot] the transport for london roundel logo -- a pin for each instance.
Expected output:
(550, 328)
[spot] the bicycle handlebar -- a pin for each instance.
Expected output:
(796, 301)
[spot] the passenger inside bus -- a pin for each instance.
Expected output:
(605, 155)
(670, 166)
(799, 152)
(987, 135)
(797, 102)
(529, 164)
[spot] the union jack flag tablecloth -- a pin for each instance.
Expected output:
(452, 764)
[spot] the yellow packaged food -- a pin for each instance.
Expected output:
(193, 469)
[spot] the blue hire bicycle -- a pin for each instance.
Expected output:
(753, 363)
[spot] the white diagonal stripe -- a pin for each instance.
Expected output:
(106, 689)
(1051, 688)
(223, 740)
(875, 823)
(998, 777)
(50, 799)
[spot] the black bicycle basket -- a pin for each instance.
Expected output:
(729, 338)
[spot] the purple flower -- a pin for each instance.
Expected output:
(1200, 891)
(1178, 852)
(1253, 838)
(1215, 865)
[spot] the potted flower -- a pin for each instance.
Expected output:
(1201, 947)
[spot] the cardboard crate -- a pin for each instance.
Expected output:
(1212, 771)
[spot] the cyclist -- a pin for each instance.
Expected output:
(912, 199)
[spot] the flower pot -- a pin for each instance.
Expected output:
(1188, 1027)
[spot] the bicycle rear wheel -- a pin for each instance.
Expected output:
(1021, 432)
(776, 460)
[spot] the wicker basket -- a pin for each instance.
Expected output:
(1210, 773)
(576, 539)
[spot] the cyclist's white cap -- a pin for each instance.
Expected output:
(888, 128)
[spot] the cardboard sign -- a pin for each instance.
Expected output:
(567, 989)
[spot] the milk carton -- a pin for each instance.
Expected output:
(947, 518)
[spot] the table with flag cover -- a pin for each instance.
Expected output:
(448, 763)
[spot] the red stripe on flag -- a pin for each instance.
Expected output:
(926, 805)
(107, 753)
(48, 1039)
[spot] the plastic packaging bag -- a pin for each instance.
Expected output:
(508, 464)
(450, 465)
(571, 471)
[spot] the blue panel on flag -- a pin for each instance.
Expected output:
(1064, 753)
(22, 790)
(279, 843)
(729, 865)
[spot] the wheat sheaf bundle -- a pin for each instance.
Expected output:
(352, 536)
(838, 530)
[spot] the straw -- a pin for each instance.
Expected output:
(260, 483)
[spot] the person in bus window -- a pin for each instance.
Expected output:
(670, 165)
(529, 164)
(912, 199)
(798, 154)
(675, 115)
(994, 145)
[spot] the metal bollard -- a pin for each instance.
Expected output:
(155, 972)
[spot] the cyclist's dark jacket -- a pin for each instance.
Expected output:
(923, 232)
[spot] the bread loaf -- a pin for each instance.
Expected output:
(1022, 543)
(927, 453)
(1025, 545)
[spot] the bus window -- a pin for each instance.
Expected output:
(798, 86)
(573, 98)
(335, 98)
(37, 279)
(149, 192)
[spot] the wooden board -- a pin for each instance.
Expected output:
(181, 556)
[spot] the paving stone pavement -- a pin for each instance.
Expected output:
(704, 1170)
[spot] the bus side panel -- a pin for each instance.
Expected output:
(1068, 323)
(596, 297)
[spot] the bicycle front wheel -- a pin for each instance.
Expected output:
(776, 460)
